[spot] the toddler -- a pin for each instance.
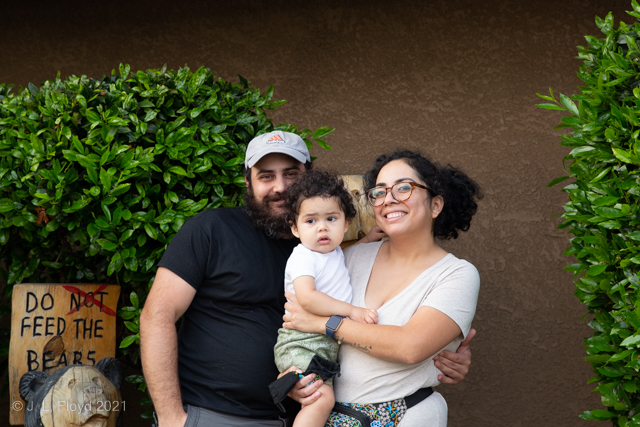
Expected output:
(319, 210)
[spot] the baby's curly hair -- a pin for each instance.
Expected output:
(315, 183)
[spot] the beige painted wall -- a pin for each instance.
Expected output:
(454, 78)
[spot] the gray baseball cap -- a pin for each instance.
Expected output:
(276, 142)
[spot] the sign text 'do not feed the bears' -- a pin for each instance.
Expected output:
(54, 326)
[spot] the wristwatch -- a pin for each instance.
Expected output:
(333, 324)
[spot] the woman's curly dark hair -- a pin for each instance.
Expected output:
(458, 190)
(315, 183)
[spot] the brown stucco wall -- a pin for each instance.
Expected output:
(454, 78)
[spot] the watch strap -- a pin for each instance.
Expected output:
(330, 330)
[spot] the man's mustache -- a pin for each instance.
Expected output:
(274, 198)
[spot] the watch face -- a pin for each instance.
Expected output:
(334, 322)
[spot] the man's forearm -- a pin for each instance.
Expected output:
(159, 355)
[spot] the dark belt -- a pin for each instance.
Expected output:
(365, 421)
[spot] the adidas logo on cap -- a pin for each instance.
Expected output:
(276, 139)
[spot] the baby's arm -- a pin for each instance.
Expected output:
(322, 304)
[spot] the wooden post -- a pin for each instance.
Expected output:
(53, 326)
(364, 220)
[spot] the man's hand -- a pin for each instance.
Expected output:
(374, 235)
(455, 366)
(305, 392)
(180, 420)
(364, 315)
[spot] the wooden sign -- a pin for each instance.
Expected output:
(364, 220)
(53, 326)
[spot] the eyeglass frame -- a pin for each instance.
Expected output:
(386, 189)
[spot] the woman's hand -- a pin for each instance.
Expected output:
(455, 366)
(300, 319)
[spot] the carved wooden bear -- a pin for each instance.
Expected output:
(77, 395)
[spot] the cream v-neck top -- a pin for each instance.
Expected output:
(450, 286)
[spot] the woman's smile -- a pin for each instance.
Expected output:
(394, 215)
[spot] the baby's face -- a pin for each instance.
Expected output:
(321, 224)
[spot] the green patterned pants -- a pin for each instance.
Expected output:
(295, 348)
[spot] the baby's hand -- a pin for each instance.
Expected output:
(364, 315)
(372, 316)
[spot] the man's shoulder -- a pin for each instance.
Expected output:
(219, 216)
(235, 211)
(218, 223)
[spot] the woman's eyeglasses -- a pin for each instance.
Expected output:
(401, 191)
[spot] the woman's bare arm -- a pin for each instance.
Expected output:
(427, 332)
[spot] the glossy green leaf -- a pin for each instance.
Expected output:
(4, 237)
(151, 114)
(597, 358)
(131, 326)
(120, 189)
(133, 297)
(131, 263)
(151, 231)
(127, 341)
(611, 371)
(548, 106)
(622, 155)
(595, 270)
(631, 341)
(234, 161)
(582, 150)
(607, 212)
(551, 184)
(605, 200)
(102, 224)
(6, 205)
(620, 356)
(108, 245)
(597, 415)
(569, 104)
(92, 175)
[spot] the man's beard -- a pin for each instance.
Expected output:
(263, 217)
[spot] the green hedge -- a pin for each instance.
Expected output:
(603, 212)
(97, 175)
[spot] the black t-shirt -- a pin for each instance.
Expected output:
(226, 339)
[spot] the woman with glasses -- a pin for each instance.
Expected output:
(425, 297)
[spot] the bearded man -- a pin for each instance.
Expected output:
(223, 272)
